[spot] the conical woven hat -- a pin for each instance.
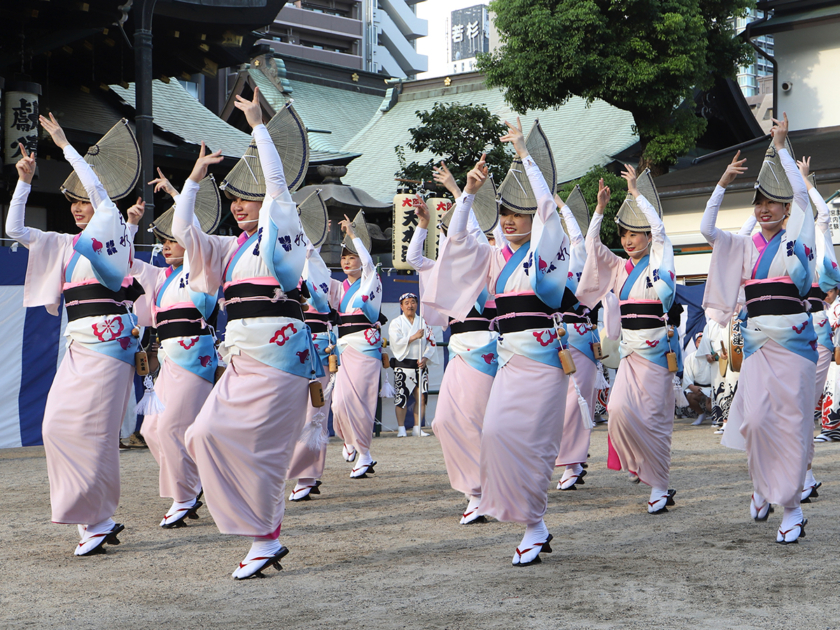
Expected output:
(313, 218)
(116, 161)
(516, 192)
(208, 211)
(772, 180)
(246, 179)
(360, 227)
(629, 214)
(485, 207)
(580, 209)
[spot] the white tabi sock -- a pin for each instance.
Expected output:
(471, 513)
(177, 511)
(535, 535)
(304, 483)
(788, 530)
(259, 553)
(91, 535)
(364, 459)
(658, 499)
(757, 504)
(809, 479)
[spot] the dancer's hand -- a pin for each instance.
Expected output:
(54, 129)
(422, 212)
(477, 176)
(733, 169)
(421, 363)
(135, 212)
(604, 196)
(25, 165)
(779, 131)
(443, 176)
(629, 174)
(203, 162)
(517, 138)
(347, 227)
(251, 109)
(805, 168)
(162, 183)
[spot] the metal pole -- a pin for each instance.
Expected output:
(143, 11)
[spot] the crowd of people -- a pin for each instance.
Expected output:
(531, 299)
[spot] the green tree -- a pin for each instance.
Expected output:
(642, 56)
(458, 135)
(589, 187)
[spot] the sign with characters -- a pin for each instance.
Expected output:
(405, 223)
(469, 32)
(20, 124)
(438, 206)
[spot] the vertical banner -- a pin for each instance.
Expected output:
(438, 206)
(405, 222)
(20, 124)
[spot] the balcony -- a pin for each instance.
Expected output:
(405, 19)
(324, 56)
(304, 19)
(398, 46)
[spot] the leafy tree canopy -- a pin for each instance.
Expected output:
(589, 187)
(458, 135)
(642, 56)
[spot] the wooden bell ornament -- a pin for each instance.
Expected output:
(220, 370)
(316, 394)
(333, 364)
(141, 363)
(671, 356)
(598, 352)
(837, 356)
(386, 361)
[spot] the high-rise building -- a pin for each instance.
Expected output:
(370, 35)
(748, 76)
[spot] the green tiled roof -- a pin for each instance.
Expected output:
(176, 111)
(581, 136)
(342, 112)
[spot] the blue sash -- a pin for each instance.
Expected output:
(763, 268)
(633, 277)
(71, 266)
(175, 272)
(481, 302)
(237, 256)
(512, 263)
(349, 295)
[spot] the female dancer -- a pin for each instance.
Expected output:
(772, 412)
(357, 301)
(243, 438)
(90, 392)
(310, 454)
(524, 419)
(642, 397)
(187, 374)
(581, 329)
(465, 388)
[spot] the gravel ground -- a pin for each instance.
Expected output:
(387, 552)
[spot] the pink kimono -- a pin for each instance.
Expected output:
(244, 436)
(90, 393)
(523, 422)
(772, 412)
(641, 404)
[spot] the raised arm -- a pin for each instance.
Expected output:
(414, 255)
(572, 227)
(93, 187)
(657, 228)
(444, 177)
(823, 217)
(800, 192)
(707, 224)
(17, 208)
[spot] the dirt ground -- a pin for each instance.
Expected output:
(388, 552)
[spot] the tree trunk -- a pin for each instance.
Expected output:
(656, 169)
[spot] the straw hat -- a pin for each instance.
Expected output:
(515, 191)
(246, 179)
(313, 217)
(580, 209)
(208, 211)
(485, 207)
(360, 227)
(116, 161)
(772, 180)
(629, 215)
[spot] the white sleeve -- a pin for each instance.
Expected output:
(800, 190)
(93, 187)
(748, 226)
(657, 228)
(823, 216)
(707, 224)
(594, 231)
(272, 166)
(17, 209)
(460, 218)
(368, 267)
(572, 226)
(414, 255)
(185, 213)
